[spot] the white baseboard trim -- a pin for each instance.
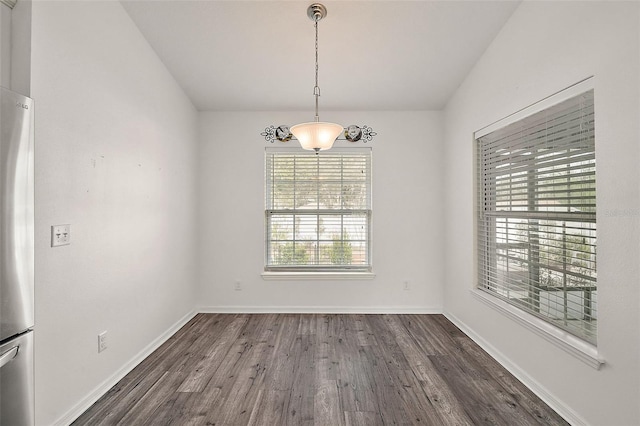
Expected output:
(321, 309)
(75, 412)
(569, 415)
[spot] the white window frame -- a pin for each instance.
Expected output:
(316, 272)
(576, 346)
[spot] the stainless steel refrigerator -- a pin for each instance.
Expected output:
(16, 260)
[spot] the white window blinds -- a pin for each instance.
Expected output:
(537, 215)
(318, 210)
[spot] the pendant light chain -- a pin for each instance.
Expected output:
(317, 135)
(316, 88)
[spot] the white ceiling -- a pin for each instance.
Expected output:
(374, 55)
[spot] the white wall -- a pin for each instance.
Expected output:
(20, 67)
(407, 217)
(545, 47)
(5, 46)
(116, 144)
(15, 47)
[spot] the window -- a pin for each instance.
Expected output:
(318, 210)
(536, 215)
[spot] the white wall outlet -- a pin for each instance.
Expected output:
(102, 341)
(237, 286)
(60, 235)
(406, 286)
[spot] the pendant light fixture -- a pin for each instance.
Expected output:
(317, 135)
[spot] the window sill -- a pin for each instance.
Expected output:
(571, 344)
(289, 275)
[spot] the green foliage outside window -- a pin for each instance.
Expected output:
(340, 252)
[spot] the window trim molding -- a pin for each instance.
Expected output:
(561, 95)
(316, 275)
(336, 273)
(573, 345)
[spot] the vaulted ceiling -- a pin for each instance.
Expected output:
(374, 55)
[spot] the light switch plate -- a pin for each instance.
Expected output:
(60, 235)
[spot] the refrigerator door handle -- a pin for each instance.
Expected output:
(8, 356)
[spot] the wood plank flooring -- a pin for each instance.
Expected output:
(287, 369)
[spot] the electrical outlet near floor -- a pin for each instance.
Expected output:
(237, 286)
(102, 341)
(406, 286)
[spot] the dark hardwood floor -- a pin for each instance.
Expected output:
(286, 369)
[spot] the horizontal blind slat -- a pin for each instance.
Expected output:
(318, 209)
(536, 218)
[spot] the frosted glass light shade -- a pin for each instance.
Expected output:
(316, 135)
